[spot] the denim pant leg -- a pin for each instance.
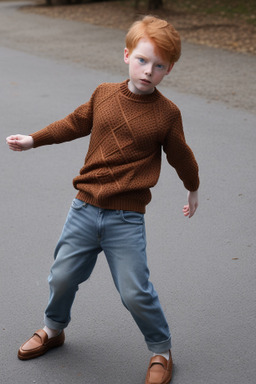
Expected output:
(124, 244)
(75, 257)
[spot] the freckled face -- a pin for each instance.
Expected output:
(146, 68)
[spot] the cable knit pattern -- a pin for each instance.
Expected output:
(128, 132)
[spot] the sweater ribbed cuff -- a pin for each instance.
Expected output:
(42, 138)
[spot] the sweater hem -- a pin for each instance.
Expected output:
(115, 203)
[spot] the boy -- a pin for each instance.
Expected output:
(129, 123)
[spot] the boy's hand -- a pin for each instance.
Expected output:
(190, 209)
(20, 142)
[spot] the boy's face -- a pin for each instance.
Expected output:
(146, 67)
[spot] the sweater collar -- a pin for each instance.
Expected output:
(133, 96)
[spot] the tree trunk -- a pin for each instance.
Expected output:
(155, 4)
(152, 4)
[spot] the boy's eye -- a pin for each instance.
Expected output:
(141, 60)
(160, 66)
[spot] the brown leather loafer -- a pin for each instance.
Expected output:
(159, 370)
(38, 344)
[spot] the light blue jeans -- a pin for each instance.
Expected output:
(89, 230)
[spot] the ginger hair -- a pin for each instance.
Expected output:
(163, 35)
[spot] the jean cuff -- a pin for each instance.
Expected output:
(54, 324)
(161, 347)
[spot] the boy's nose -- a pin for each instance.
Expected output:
(148, 70)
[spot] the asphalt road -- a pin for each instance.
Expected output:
(203, 268)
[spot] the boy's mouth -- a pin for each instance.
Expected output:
(145, 81)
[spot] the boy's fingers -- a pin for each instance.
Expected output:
(186, 210)
(14, 147)
(12, 138)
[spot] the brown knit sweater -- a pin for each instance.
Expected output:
(128, 132)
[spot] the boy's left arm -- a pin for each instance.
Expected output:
(181, 157)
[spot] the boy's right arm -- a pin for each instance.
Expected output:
(20, 142)
(77, 124)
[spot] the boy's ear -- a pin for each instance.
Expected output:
(170, 68)
(126, 55)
